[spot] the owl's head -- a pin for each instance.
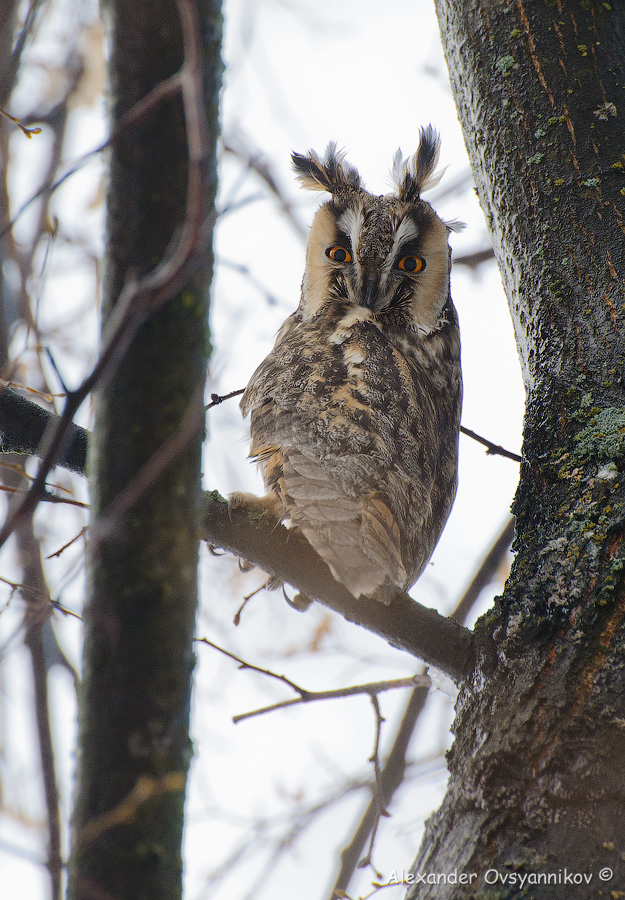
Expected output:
(389, 253)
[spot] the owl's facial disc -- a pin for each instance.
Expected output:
(376, 252)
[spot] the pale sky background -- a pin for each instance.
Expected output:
(299, 74)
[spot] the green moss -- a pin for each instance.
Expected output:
(505, 64)
(215, 497)
(604, 438)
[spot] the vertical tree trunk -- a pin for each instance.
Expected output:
(134, 747)
(537, 784)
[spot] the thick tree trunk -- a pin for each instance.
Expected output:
(537, 786)
(134, 703)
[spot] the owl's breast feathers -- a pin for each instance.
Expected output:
(357, 434)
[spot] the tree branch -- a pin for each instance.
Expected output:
(23, 425)
(285, 553)
(491, 449)
(305, 696)
(404, 623)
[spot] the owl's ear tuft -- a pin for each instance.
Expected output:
(416, 174)
(328, 173)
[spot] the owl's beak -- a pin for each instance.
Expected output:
(370, 289)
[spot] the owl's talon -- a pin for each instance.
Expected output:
(300, 602)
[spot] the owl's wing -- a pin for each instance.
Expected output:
(355, 534)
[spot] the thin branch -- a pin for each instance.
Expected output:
(475, 259)
(216, 399)
(46, 497)
(378, 790)
(491, 449)
(8, 77)
(37, 598)
(19, 124)
(252, 668)
(305, 696)
(152, 99)
(256, 163)
(486, 572)
(372, 690)
(22, 425)
(69, 543)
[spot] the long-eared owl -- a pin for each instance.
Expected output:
(355, 413)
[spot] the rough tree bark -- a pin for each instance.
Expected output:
(537, 772)
(134, 747)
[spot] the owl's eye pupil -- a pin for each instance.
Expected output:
(338, 254)
(411, 264)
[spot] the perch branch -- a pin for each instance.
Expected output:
(285, 553)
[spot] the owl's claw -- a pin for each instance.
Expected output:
(300, 602)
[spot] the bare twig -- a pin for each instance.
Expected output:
(69, 543)
(12, 65)
(15, 411)
(46, 497)
(491, 449)
(246, 665)
(152, 99)
(475, 259)
(378, 792)
(372, 690)
(305, 696)
(36, 595)
(216, 399)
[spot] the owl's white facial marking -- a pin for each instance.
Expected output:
(407, 230)
(350, 223)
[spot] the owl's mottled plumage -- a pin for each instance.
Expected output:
(355, 413)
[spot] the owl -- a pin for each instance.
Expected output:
(355, 413)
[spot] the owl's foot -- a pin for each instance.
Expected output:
(269, 507)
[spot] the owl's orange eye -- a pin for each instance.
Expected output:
(338, 254)
(411, 264)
